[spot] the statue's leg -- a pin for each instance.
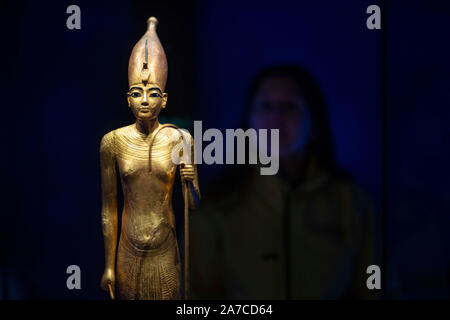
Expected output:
(126, 271)
(161, 273)
(148, 275)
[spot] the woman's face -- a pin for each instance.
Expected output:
(146, 102)
(279, 105)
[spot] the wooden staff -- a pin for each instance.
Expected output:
(186, 236)
(111, 292)
(185, 185)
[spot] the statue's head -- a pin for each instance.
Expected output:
(147, 75)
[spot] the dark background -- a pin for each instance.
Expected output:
(62, 90)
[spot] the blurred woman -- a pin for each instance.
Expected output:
(304, 233)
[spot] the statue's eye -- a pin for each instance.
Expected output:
(135, 94)
(155, 95)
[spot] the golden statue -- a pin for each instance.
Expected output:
(148, 259)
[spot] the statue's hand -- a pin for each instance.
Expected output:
(108, 282)
(187, 172)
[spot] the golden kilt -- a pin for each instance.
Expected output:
(153, 274)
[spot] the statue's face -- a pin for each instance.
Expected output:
(147, 101)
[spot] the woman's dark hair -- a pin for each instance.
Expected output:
(320, 144)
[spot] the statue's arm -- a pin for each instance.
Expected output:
(190, 172)
(193, 189)
(109, 207)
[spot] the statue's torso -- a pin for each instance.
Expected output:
(147, 217)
